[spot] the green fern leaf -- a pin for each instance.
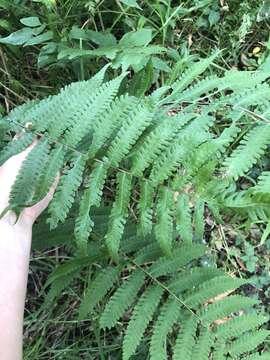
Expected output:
(121, 300)
(183, 219)
(64, 197)
(199, 220)
(212, 288)
(239, 80)
(200, 88)
(94, 106)
(240, 324)
(58, 286)
(16, 115)
(180, 257)
(247, 342)
(248, 152)
(16, 146)
(91, 197)
(251, 148)
(119, 213)
(128, 134)
(145, 208)
(141, 317)
(22, 191)
(57, 113)
(157, 141)
(203, 345)
(148, 253)
(223, 308)
(169, 314)
(164, 226)
(259, 95)
(106, 124)
(97, 289)
(219, 351)
(186, 339)
(263, 184)
(69, 267)
(191, 74)
(187, 141)
(54, 163)
(191, 278)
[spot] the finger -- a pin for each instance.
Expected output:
(19, 158)
(9, 172)
(34, 212)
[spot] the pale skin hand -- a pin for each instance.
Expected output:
(15, 245)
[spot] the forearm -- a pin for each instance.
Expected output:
(15, 244)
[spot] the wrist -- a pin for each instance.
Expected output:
(15, 237)
(21, 223)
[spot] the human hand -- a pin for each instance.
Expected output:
(15, 244)
(8, 173)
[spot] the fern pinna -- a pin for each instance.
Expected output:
(152, 154)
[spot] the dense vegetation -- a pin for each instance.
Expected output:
(156, 243)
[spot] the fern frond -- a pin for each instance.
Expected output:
(251, 148)
(56, 113)
(164, 225)
(219, 351)
(148, 253)
(240, 324)
(247, 342)
(121, 300)
(263, 184)
(223, 308)
(91, 109)
(64, 197)
(203, 345)
(142, 315)
(211, 288)
(169, 314)
(199, 220)
(97, 289)
(191, 74)
(15, 118)
(157, 141)
(106, 124)
(180, 257)
(210, 150)
(128, 134)
(259, 95)
(53, 165)
(202, 87)
(16, 146)
(189, 279)
(239, 80)
(28, 175)
(179, 150)
(91, 197)
(145, 208)
(183, 219)
(119, 213)
(186, 339)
